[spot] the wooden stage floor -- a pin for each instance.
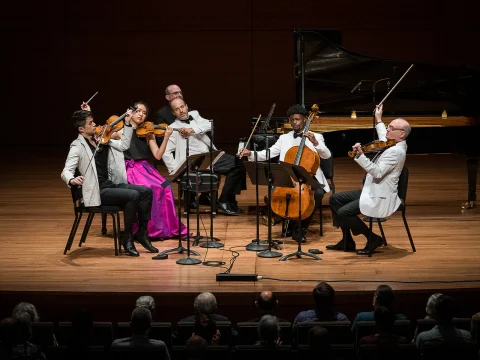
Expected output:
(36, 216)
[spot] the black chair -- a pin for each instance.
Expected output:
(402, 194)
(450, 350)
(428, 324)
(248, 333)
(381, 352)
(366, 328)
(158, 331)
(339, 331)
(186, 328)
(337, 351)
(79, 209)
(327, 166)
(67, 353)
(204, 181)
(42, 334)
(279, 352)
(138, 353)
(101, 334)
(214, 352)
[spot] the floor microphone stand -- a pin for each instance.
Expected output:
(212, 242)
(269, 253)
(188, 260)
(255, 244)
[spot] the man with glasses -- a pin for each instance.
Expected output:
(379, 196)
(165, 115)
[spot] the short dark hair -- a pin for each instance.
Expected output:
(384, 318)
(384, 296)
(444, 309)
(26, 307)
(319, 339)
(266, 304)
(297, 109)
(79, 118)
(141, 321)
(196, 347)
(142, 103)
(324, 296)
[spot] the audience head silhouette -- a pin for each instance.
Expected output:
(324, 296)
(25, 307)
(430, 309)
(196, 347)
(319, 340)
(268, 330)
(384, 320)
(383, 297)
(147, 302)
(141, 321)
(266, 302)
(444, 309)
(205, 303)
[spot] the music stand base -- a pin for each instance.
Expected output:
(269, 254)
(215, 243)
(179, 250)
(299, 254)
(255, 246)
(189, 261)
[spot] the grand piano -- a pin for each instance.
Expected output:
(439, 101)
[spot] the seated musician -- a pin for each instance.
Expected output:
(164, 221)
(103, 179)
(193, 126)
(297, 115)
(165, 115)
(379, 197)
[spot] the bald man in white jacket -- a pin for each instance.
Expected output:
(379, 196)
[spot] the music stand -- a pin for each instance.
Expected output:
(188, 164)
(300, 175)
(211, 241)
(272, 174)
(252, 171)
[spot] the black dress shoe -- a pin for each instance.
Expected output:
(142, 239)
(234, 207)
(341, 246)
(205, 199)
(128, 245)
(377, 241)
(225, 208)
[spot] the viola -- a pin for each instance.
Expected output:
(149, 127)
(374, 146)
(114, 124)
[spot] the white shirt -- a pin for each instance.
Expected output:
(286, 141)
(198, 143)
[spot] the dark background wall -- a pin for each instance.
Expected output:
(232, 59)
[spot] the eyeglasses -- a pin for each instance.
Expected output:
(391, 128)
(176, 93)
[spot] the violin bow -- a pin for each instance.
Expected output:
(91, 98)
(253, 130)
(394, 86)
(266, 123)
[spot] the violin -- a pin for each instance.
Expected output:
(374, 146)
(149, 127)
(114, 124)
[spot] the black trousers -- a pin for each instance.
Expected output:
(132, 198)
(345, 208)
(236, 177)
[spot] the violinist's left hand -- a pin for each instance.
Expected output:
(311, 136)
(168, 132)
(85, 106)
(357, 149)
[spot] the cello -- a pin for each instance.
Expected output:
(285, 201)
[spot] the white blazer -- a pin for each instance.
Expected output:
(79, 157)
(198, 143)
(379, 196)
(286, 141)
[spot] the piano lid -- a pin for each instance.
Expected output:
(332, 72)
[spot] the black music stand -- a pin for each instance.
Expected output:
(211, 241)
(252, 171)
(300, 175)
(189, 163)
(270, 175)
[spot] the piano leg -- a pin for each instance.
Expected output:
(472, 166)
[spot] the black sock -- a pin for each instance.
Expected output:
(347, 235)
